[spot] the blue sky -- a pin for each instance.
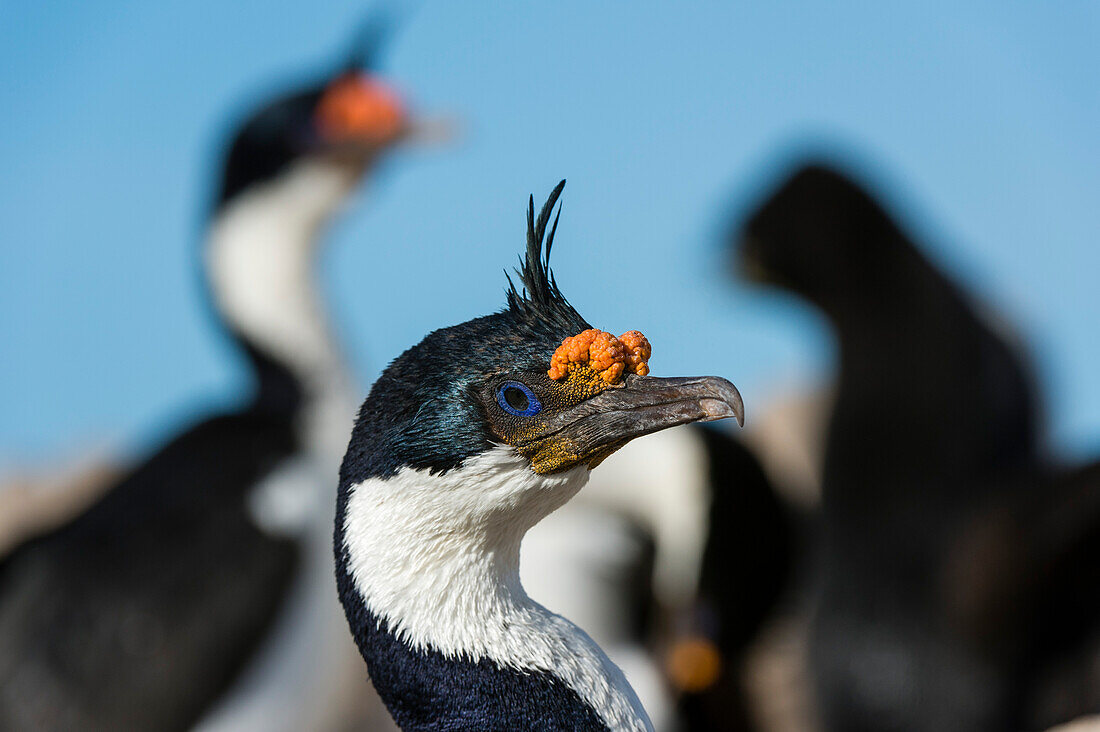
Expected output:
(980, 120)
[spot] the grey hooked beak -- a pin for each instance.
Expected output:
(595, 428)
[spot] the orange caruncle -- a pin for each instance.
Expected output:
(356, 107)
(608, 356)
(638, 352)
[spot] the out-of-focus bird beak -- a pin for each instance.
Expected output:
(430, 131)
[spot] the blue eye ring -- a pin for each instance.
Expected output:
(515, 406)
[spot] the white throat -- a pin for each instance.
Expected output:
(438, 558)
(261, 261)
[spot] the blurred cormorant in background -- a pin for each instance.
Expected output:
(671, 558)
(199, 588)
(955, 583)
(746, 567)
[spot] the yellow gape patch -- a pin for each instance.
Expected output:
(599, 353)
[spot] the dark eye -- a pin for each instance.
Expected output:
(515, 398)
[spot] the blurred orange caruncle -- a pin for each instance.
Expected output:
(356, 107)
(602, 352)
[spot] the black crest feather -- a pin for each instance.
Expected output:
(540, 298)
(375, 31)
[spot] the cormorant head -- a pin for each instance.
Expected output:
(508, 380)
(346, 119)
(287, 171)
(822, 236)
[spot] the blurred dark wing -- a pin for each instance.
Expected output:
(139, 612)
(1064, 599)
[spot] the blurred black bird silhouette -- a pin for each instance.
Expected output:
(184, 592)
(746, 567)
(952, 575)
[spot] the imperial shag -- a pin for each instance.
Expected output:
(198, 587)
(464, 443)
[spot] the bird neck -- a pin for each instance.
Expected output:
(934, 408)
(434, 559)
(261, 261)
